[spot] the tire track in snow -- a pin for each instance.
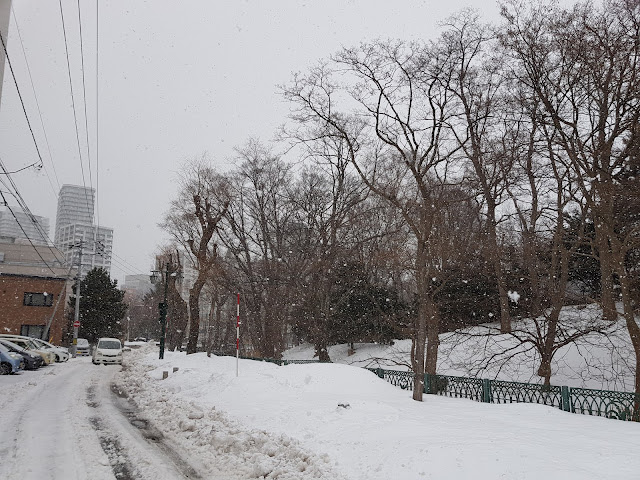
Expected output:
(134, 448)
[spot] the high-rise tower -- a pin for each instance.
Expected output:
(74, 227)
(75, 205)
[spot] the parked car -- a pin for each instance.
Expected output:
(108, 350)
(28, 344)
(83, 347)
(9, 362)
(61, 353)
(32, 361)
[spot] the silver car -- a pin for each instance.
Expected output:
(82, 347)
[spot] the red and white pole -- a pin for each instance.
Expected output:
(238, 336)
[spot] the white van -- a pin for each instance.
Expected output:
(108, 350)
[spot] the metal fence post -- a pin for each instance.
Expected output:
(429, 383)
(565, 393)
(486, 390)
(380, 372)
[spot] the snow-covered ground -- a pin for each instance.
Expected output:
(313, 421)
(320, 421)
(594, 361)
(62, 422)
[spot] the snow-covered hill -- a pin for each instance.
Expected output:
(594, 361)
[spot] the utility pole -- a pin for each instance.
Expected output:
(76, 318)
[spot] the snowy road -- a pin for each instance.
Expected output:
(284, 423)
(63, 422)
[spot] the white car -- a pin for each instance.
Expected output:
(62, 354)
(28, 344)
(108, 350)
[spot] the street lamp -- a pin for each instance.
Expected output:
(162, 307)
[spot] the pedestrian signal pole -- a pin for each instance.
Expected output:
(163, 312)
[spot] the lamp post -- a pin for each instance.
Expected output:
(162, 307)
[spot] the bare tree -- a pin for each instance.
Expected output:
(258, 242)
(328, 199)
(192, 221)
(582, 64)
(402, 117)
(481, 128)
(219, 326)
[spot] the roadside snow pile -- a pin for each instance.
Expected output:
(288, 423)
(220, 444)
(593, 361)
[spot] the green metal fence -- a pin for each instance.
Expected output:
(517, 392)
(602, 403)
(618, 405)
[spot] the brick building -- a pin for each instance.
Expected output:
(30, 302)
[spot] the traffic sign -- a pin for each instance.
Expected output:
(76, 324)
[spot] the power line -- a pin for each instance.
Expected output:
(25, 208)
(73, 104)
(124, 262)
(35, 164)
(24, 109)
(44, 131)
(17, 194)
(97, 111)
(25, 233)
(124, 268)
(84, 94)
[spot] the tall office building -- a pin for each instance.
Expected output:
(19, 225)
(74, 226)
(75, 205)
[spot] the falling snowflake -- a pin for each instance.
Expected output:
(513, 296)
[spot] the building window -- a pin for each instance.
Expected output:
(37, 299)
(35, 331)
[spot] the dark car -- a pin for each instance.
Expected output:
(31, 360)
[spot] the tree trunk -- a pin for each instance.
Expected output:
(418, 346)
(420, 334)
(548, 351)
(531, 262)
(433, 336)
(322, 352)
(632, 327)
(505, 317)
(194, 312)
(270, 333)
(607, 293)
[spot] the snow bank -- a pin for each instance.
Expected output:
(221, 444)
(335, 421)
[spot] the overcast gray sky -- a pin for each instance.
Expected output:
(176, 79)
